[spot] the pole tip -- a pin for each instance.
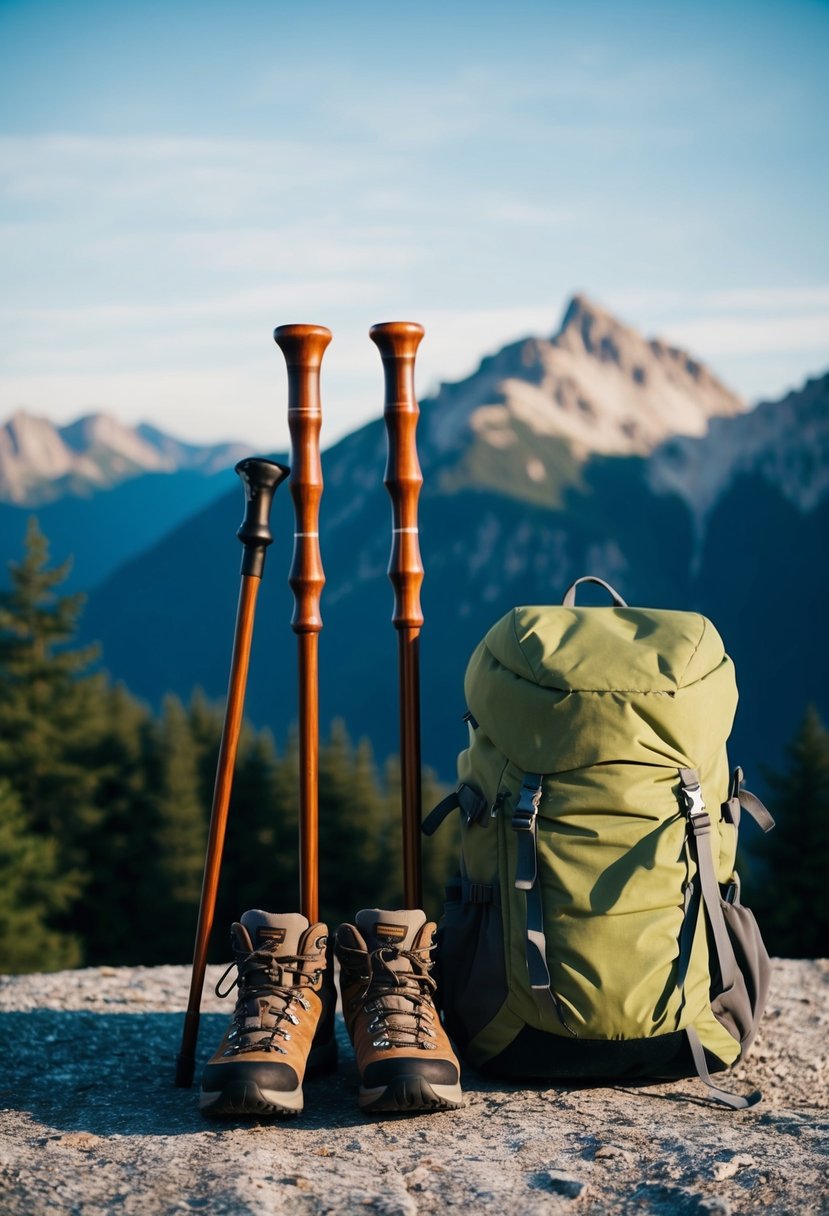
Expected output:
(185, 1070)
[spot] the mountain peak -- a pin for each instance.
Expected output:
(582, 313)
(40, 462)
(596, 387)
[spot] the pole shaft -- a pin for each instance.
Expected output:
(303, 347)
(228, 747)
(397, 342)
(408, 641)
(308, 775)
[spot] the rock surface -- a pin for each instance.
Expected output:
(92, 1124)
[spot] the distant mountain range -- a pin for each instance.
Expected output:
(41, 462)
(103, 491)
(593, 451)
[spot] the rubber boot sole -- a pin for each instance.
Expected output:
(244, 1098)
(238, 1099)
(408, 1094)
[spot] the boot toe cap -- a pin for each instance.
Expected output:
(266, 1074)
(385, 1072)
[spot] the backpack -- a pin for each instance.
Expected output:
(595, 927)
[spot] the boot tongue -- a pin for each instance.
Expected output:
(277, 932)
(391, 929)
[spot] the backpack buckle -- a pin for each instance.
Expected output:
(691, 793)
(526, 812)
(694, 803)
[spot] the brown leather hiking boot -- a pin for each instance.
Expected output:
(283, 1024)
(405, 1060)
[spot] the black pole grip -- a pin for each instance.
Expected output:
(260, 478)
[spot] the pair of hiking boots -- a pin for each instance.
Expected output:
(283, 1024)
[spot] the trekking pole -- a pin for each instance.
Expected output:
(260, 479)
(303, 347)
(397, 342)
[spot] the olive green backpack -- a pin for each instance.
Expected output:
(595, 928)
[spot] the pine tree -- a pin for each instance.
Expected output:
(178, 828)
(791, 903)
(32, 892)
(50, 713)
(121, 858)
(51, 721)
(260, 862)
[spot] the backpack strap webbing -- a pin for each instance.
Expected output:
(736, 1101)
(471, 804)
(699, 824)
(525, 825)
(741, 799)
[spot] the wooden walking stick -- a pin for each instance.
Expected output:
(260, 479)
(303, 347)
(397, 342)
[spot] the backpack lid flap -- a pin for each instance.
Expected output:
(606, 649)
(556, 688)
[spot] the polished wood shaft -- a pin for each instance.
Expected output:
(397, 342)
(218, 820)
(260, 479)
(303, 347)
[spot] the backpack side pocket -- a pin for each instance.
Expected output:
(740, 1007)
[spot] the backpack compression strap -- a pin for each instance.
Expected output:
(699, 823)
(525, 825)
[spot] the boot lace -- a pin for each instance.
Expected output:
(266, 994)
(412, 1026)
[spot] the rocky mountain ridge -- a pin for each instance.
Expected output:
(41, 462)
(785, 442)
(596, 385)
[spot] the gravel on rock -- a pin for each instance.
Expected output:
(91, 1123)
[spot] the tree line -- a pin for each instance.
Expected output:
(104, 806)
(104, 809)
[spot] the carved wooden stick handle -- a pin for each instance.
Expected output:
(397, 342)
(303, 347)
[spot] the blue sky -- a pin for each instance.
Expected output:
(176, 179)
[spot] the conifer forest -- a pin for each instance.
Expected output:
(104, 808)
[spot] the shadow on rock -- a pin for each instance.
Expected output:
(113, 1074)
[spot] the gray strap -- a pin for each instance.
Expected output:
(569, 600)
(525, 825)
(719, 1095)
(738, 799)
(752, 804)
(700, 825)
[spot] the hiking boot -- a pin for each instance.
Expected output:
(283, 1024)
(403, 1055)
